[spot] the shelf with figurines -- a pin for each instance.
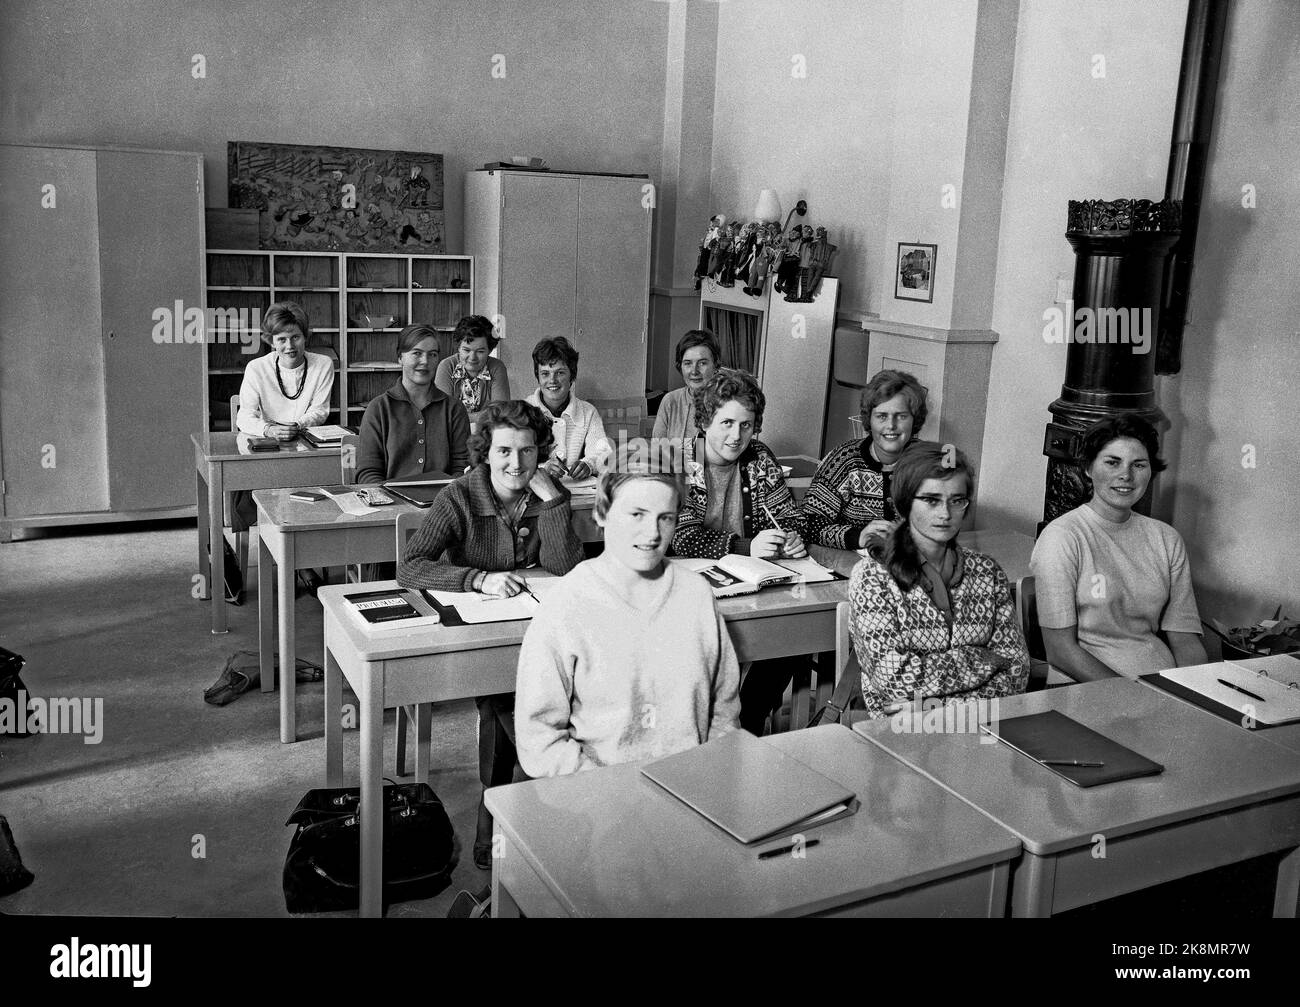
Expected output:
(750, 253)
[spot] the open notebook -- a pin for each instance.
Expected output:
(1263, 691)
(459, 608)
(735, 574)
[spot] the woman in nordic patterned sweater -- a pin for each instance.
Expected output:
(931, 619)
(481, 533)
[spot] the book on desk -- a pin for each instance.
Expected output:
(1257, 692)
(735, 574)
(751, 790)
(392, 609)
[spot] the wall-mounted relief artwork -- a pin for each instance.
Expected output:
(339, 198)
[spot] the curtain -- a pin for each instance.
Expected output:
(737, 333)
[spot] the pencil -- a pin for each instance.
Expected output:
(771, 517)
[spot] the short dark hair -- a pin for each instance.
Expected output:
(725, 385)
(556, 350)
(1130, 425)
(475, 327)
(694, 338)
(884, 385)
(412, 335)
(518, 415)
(282, 314)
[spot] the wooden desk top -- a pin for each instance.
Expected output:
(614, 844)
(1210, 765)
(1011, 549)
(391, 644)
(222, 446)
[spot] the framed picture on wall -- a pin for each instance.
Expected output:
(914, 276)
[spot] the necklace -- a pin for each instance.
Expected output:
(280, 381)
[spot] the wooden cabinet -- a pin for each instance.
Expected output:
(565, 254)
(356, 305)
(95, 412)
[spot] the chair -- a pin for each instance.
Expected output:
(241, 538)
(1027, 608)
(407, 522)
(846, 663)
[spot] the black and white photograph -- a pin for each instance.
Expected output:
(474, 459)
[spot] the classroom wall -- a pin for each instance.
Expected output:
(583, 85)
(1242, 350)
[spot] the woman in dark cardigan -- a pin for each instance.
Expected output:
(481, 533)
(413, 427)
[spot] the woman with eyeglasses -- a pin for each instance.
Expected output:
(1111, 583)
(848, 502)
(931, 619)
(413, 427)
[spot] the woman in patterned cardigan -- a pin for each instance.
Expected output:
(931, 619)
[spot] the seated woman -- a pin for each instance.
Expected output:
(627, 658)
(283, 392)
(848, 502)
(413, 427)
(1109, 581)
(580, 443)
(931, 619)
(473, 375)
(737, 502)
(698, 358)
(499, 519)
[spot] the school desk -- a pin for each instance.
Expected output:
(294, 535)
(221, 468)
(1225, 796)
(1011, 549)
(609, 842)
(387, 668)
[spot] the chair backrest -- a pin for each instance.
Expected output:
(846, 661)
(234, 414)
(407, 522)
(348, 449)
(1027, 608)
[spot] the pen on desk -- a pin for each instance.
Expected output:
(1071, 762)
(769, 854)
(1244, 692)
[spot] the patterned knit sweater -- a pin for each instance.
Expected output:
(906, 645)
(463, 534)
(761, 483)
(848, 492)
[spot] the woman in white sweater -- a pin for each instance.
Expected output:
(288, 389)
(627, 658)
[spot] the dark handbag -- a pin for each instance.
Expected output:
(13, 875)
(847, 689)
(323, 864)
(11, 684)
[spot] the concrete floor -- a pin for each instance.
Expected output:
(110, 829)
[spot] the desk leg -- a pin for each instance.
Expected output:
(370, 697)
(333, 718)
(503, 906)
(1033, 887)
(1288, 886)
(288, 659)
(423, 733)
(265, 615)
(205, 560)
(999, 881)
(216, 548)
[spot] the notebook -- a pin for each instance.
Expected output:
(1261, 691)
(1054, 736)
(327, 436)
(461, 608)
(751, 790)
(421, 492)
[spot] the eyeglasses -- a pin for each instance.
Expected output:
(958, 504)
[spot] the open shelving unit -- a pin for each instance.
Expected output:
(356, 304)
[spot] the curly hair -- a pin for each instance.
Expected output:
(921, 460)
(556, 350)
(515, 414)
(473, 327)
(725, 385)
(884, 385)
(1129, 425)
(280, 316)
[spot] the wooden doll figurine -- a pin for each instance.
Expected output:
(707, 245)
(819, 262)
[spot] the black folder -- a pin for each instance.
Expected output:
(1054, 736)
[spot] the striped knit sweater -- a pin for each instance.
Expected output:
(906, 644)
(761, 483)
(462, 534)
(848, 492)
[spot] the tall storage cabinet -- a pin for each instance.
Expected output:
(564, 254)
(95, 415)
